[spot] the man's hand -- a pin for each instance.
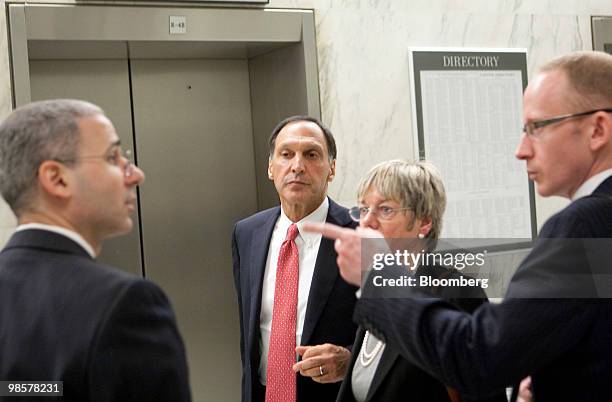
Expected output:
(347, 245)
(524, 394)
(331, 360)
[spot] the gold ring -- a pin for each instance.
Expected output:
(321, 370)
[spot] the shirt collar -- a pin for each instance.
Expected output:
(71, 234)
(591, 184)
(319, 215)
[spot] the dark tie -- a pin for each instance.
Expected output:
(280, 378)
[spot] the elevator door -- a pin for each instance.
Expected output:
(192, 136)
(105, 83)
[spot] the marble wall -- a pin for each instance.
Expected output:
(363, 65)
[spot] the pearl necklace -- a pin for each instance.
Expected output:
(366, 358)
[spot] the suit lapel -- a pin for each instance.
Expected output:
(325, 274)
(346, 388)
(605, 188)
(260, 243)
(387, 360)
(323, 280)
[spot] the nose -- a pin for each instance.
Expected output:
(369, 221)
(297, 164)
(135, 177)
(524, 149)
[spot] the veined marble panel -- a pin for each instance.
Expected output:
(363, 64)
(545, 7)
(364, 73)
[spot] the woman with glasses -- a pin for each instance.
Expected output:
(402, 201)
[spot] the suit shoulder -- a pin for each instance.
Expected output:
(586, 217)
(109, 272)
(133, 297)
(258, 218)
(340, 215)
(101, 281)
(142, 290)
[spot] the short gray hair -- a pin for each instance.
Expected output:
(32, 134)
(590, 75)
(416, 186)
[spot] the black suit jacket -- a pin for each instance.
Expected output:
(64, 317)
(565, 344)
(329, 308)
(397, 378)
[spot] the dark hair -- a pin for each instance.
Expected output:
(329, 138)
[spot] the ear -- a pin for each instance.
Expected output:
(425, 226)
(601, 135)
(270, 175)
(332, 171)
(53, 179)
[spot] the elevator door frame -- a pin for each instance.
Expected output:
(273, 42)
(278, 40)
(252, 29)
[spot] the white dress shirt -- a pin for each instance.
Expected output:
(72, 235)
(591, 184)
(308, 248)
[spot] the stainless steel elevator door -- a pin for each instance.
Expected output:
(194, 140)
(105, 83)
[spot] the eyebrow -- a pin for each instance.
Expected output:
(113, 144)
(381, 202)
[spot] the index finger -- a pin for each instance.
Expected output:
(328, 230)
(314, 351)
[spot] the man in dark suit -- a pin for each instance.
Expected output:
(108, 336)
(317, 303)
(548, 326)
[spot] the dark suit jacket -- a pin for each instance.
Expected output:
(565, 344)
(397, 378)
(330, 303)
(64, 317)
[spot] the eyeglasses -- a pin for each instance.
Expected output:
(529, 128)
(384, 213)
(114, 158)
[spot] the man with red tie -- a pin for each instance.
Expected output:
(295, 310)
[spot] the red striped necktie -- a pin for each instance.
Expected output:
(280, 378)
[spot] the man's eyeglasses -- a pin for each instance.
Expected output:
(532, 126)
(382, 213)
(114, 158)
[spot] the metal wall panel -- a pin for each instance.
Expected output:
(110, 90)
(278, 90)
(284, 82)
(69, 22)
(193, 133)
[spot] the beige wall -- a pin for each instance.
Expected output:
(363, 65)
